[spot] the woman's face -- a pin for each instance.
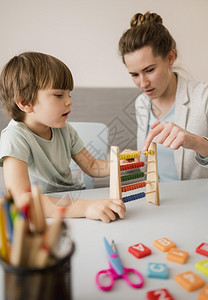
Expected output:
(150, 73)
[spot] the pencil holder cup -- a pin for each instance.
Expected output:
(49, 283)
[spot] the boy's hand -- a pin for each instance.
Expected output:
(105, 209)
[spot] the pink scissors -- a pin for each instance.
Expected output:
(116, 270)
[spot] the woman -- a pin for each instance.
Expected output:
(171, 109)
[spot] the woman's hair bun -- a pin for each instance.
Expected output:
(148, 17)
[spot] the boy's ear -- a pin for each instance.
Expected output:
(24, 107)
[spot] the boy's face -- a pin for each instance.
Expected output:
(51, 108)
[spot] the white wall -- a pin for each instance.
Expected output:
(85, 33)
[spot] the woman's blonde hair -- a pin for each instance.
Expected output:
(147, 30)
(27, 73)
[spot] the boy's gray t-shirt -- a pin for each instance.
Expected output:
(48, 160)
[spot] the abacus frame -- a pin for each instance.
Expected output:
(152, 184)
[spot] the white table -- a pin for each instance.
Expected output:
(182, 217)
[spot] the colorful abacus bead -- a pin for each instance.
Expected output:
(133, 186)
(133, 197)
(129, 155)
(132, 176)
(132, 166)
(149, 152)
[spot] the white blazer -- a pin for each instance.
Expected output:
(191, 113)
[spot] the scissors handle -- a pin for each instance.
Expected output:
(126, 274)
(110, 275)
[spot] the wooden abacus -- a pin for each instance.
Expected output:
(152, 186)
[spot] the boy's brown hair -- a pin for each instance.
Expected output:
(27, 73)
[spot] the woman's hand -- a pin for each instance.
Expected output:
(171, 135)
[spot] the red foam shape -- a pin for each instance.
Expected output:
(139, 250)
(159, 294)
(202, 249)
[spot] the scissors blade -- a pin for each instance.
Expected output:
(114, 258)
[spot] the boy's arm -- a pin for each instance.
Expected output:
(17, 181)
(90, 165)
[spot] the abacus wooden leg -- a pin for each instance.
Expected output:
(152, 189)
(115, 174)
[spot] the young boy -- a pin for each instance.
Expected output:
(38, 144)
